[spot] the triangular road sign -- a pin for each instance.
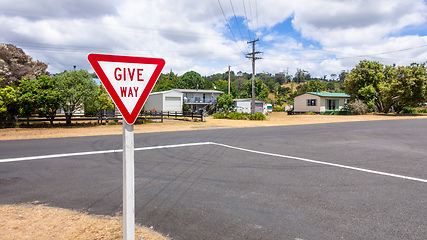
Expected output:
(128, 80)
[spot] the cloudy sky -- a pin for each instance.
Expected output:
(320, 36)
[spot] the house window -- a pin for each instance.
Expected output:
(311, 102)
(331, 104)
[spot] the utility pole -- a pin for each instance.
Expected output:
(253, 57)
(229, 79)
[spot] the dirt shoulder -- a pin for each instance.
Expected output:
(273, 119)
(33, 221)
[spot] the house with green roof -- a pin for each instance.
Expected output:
(319, 102)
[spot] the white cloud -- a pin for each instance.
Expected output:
(193, 35)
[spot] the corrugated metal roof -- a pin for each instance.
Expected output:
(328, 94)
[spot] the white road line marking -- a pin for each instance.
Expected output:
(99, 152)
(325, 163)
(218, 144)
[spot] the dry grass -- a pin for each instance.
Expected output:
(31, 221)
(273, 119)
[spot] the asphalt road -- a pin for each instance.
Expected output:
(215, 191)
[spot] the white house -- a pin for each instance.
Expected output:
(197, 99)
(320, 102)
(172, 100)
(166, 101)
(245, 105)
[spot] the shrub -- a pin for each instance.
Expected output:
(358, 107)
(278, 108)
(417, 110)
(421, 110)
(257, 116)
(408, 110)
(220, 115)
(240, 116)
(235, 116)
(310, 113)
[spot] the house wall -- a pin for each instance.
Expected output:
(300, 103)
(172, 102)
(198, 97)
(154, 101)
(243, 107)
(340, 105)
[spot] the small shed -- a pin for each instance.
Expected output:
(319, 102)
(166, 101)
(245, 105)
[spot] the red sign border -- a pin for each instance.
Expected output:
(130, 117)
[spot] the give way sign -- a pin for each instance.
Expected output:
(128, 80)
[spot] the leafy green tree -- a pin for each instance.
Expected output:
(382, 86)
(268, 80)
(301, 76)
(47, 98)
(191, 80)
(27, 92)
(97, 103)
(312, 86)
(38, 96)
(8, 100)
(166, 82)
(366, 81)
(222, 85)
(409, 86)
(74, 88)
(225, 101)
(261, 90)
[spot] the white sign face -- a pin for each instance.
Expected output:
(128, 79)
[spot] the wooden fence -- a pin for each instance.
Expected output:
(158, 116)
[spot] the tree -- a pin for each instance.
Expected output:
(409, 87)
(225, 101)
(222, 85)
(47, 98)
(191, 80)
(37, 96)
(283, 77)
(261, 90)
(382, 86)
(8, 100)
(301, 76)
(74, 88)
(97, 103)
(166, 82)
(312, 86)
(15, 65)
(365, 83)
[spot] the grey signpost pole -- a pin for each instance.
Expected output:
(128, 182)
(117, 74)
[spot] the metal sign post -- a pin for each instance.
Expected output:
(128, 80)
(128, 182)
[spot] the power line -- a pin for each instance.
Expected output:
(256, 12)
(235, 18)
(252, 19)
(229, 26)
(247, 20)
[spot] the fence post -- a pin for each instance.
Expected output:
(192, 114)
(162, 116)
(176, 114)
